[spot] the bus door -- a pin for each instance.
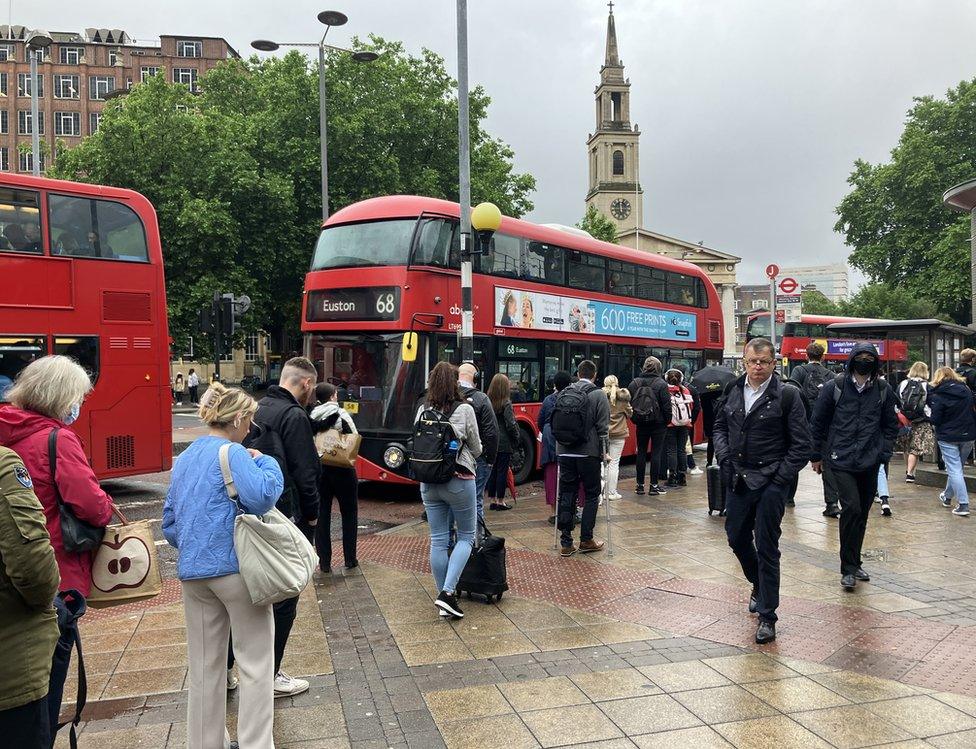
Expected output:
(686, 360)
(520, 361)
(595, 352)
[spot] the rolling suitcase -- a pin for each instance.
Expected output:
(716, 492)
(485, 573)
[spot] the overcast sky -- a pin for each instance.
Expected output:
(752, 113)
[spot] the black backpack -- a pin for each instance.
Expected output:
(435, 447)
(913, 400)
(647, 407)
(571, 416)
(817, 376)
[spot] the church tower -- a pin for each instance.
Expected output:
(614, 186)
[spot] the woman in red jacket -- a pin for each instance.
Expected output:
(48, 395)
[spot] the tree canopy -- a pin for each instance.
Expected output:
(598, 225)
(234, 171)
(887, 303)
(894, 219)
(815, 303)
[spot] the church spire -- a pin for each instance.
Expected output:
(612, 58)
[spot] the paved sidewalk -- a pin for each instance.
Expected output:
(651, 647)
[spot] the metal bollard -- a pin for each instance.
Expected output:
(555, 508)
(606, 504)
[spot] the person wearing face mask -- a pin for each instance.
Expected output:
(285, 433)
(854, 427)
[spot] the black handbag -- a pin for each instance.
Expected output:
(76, 535)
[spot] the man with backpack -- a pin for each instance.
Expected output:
(651, 401)
(581, 426)
(487, 430)
(761, 441)
(967, 367)
(285, 433)
(810, 379)
(854, 428)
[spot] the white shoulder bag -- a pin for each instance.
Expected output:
(275, 558)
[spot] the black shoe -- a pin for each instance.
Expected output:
(448, 602)
(499, 506)
(656, 489)
(672, 483)
(639, 489)
(682, 480)
(832, 511)
(885, 507)
(765, 632)
(754, 601)
(909, 478)
(791, 502)
(860, 574)
(352, 565)
(552, 520)
(848, 582)
(423, 516)
(325, 569)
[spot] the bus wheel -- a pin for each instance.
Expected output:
(523, 457)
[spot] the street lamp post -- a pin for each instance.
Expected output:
(37, 40)
(329, 18)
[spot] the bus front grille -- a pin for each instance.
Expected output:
(120, 452)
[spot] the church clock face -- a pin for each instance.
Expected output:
(620, 208)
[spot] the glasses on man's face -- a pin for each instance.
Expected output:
(759, 362)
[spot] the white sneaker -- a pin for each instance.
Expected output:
(696, 471)
(616, 496)
(286, 686)
(231, 680)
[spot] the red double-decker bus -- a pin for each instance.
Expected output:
(792, 338)
(544, 299)
(81, 274)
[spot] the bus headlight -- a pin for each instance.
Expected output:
(394, 456)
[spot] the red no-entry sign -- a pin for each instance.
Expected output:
(772, 270)
(788, 285)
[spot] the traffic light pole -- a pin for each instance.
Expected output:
(218, 332)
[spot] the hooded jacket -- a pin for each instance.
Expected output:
(952, 412)
(26, 433)
(652, 379)
(487, 423)
(856, 431)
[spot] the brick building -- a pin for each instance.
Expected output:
(77, 71)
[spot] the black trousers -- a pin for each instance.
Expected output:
(342, 484)
(26, 726)
(284, 617)
(572, 472)
(194, 394)
(831, 496)
(676, 439)
(653, 435)
(498, 478)
(752, 525)
(857, 490)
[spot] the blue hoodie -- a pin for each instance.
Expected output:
(952, 412)
(198, 515)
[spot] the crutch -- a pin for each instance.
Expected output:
(606, 498)
(555, 510)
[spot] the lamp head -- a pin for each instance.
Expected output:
(38, 39)
(265, 45)
(332, 18)
(364, 56)
(486, 217)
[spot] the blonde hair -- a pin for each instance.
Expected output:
(222, 406)
(610, 387)
(50, 386)
(945, 373)
(919, 369)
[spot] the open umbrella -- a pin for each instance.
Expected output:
(709, 380)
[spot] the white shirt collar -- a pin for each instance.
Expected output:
(761, 387)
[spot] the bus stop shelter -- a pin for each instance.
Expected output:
(935, 342)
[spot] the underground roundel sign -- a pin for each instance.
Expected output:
(788, 286)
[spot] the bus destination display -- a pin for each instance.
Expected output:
(372, 303)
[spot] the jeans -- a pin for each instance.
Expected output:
(498, 480)
(457, 496)
(342, 484)
(752, 526)
(572, 471)
(613, 469)
(482, 470)
(676, 439)
(954, 453)
(26, 726)
(654, 435)
(856, 490)
(883, 481)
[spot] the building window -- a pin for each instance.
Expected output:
(148, 72)
(189, 48)
(67, 87)
(94, 120)
(71, 55)
(67, 123)
(186, 76)
(618, 162)
(4, 159)
(251, 347)
(113, 57)
(6, 52)
(42, 55)
(4, 122)
(24, 122)
(99, 85)
(3, 84)
(24, 85)
(27, 161)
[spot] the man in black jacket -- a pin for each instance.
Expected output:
(487, 430)
(286, 435)
(761, 441)
(854, 428)
(651, 402)
(967, 367)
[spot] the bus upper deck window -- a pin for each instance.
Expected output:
(85, 227)
(20, 220)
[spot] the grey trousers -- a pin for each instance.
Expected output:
(213, 605)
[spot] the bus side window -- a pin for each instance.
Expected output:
(20, 220)
(434, 243)
(16, 352)
(84, 227)
(83, 349)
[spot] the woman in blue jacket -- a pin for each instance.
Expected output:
(954, 420)
(198, 519)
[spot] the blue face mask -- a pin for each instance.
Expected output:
(72, 416)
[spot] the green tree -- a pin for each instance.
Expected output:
(815, 303)
(598, 225)
(888, 303)
(234, 172)
(893, 218)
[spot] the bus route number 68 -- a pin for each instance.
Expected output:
(385, 304)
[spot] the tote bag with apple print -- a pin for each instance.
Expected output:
(126, 566)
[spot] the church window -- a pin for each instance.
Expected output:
(615, 106)
(618, 162)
